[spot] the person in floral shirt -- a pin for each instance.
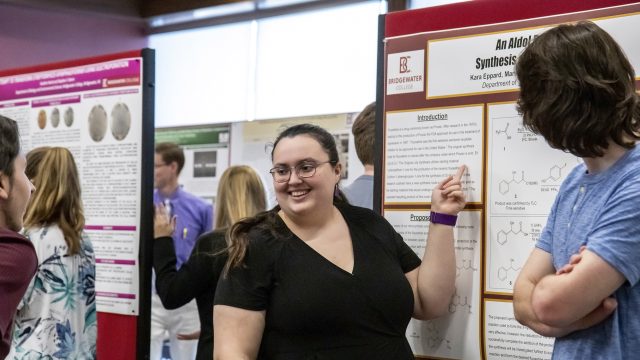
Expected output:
(57, 316)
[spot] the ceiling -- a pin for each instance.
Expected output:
(160, 16)
(127, 9)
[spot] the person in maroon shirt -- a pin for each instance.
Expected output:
(18, 260)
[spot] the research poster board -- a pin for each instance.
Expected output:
(450, 98)
(95, 110)
(257, 139)
(206, 152)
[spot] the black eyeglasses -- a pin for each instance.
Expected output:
(305, 170)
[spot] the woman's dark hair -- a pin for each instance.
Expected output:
(267, 221)
(9, 145)
(577, 89)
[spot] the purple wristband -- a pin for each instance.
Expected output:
(445, 219)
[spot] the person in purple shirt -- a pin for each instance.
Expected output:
(193, 218)
(18, 261)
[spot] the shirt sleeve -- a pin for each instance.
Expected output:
(208, 218)
(546, 237)
(87, 273)
(28, 294)
(177, 287)
(377, 227)
(615, 235)
(18, 263)
(406, 256)
(249, 285)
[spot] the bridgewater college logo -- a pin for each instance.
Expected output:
(405, 72)
(404, 64)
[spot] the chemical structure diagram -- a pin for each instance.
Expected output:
(503, 236)
(434, 339)
(504, 131)
(508, 272)
(466, 265)
(555, 173)
(458, 301)
(505, 185)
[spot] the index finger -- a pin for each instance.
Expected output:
(461, 170)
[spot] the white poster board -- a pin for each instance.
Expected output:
(94, 110)
(466, 114)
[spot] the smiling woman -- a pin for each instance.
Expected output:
(299, 194)
(315, 277)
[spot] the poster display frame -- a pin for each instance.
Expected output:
(130, 332)
(445, 24)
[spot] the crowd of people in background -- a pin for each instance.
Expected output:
(193, 218)
(320, 275)
(240, 195)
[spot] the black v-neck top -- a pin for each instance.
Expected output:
(315, 309)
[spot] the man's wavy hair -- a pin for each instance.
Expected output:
(9, 146)
(364, 134)
(577, 90)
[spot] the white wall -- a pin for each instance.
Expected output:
(320, 62)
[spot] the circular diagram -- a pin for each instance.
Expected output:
(97, 123)
(42, 119)
(68, 117)
(55, 117)
(120, 121)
